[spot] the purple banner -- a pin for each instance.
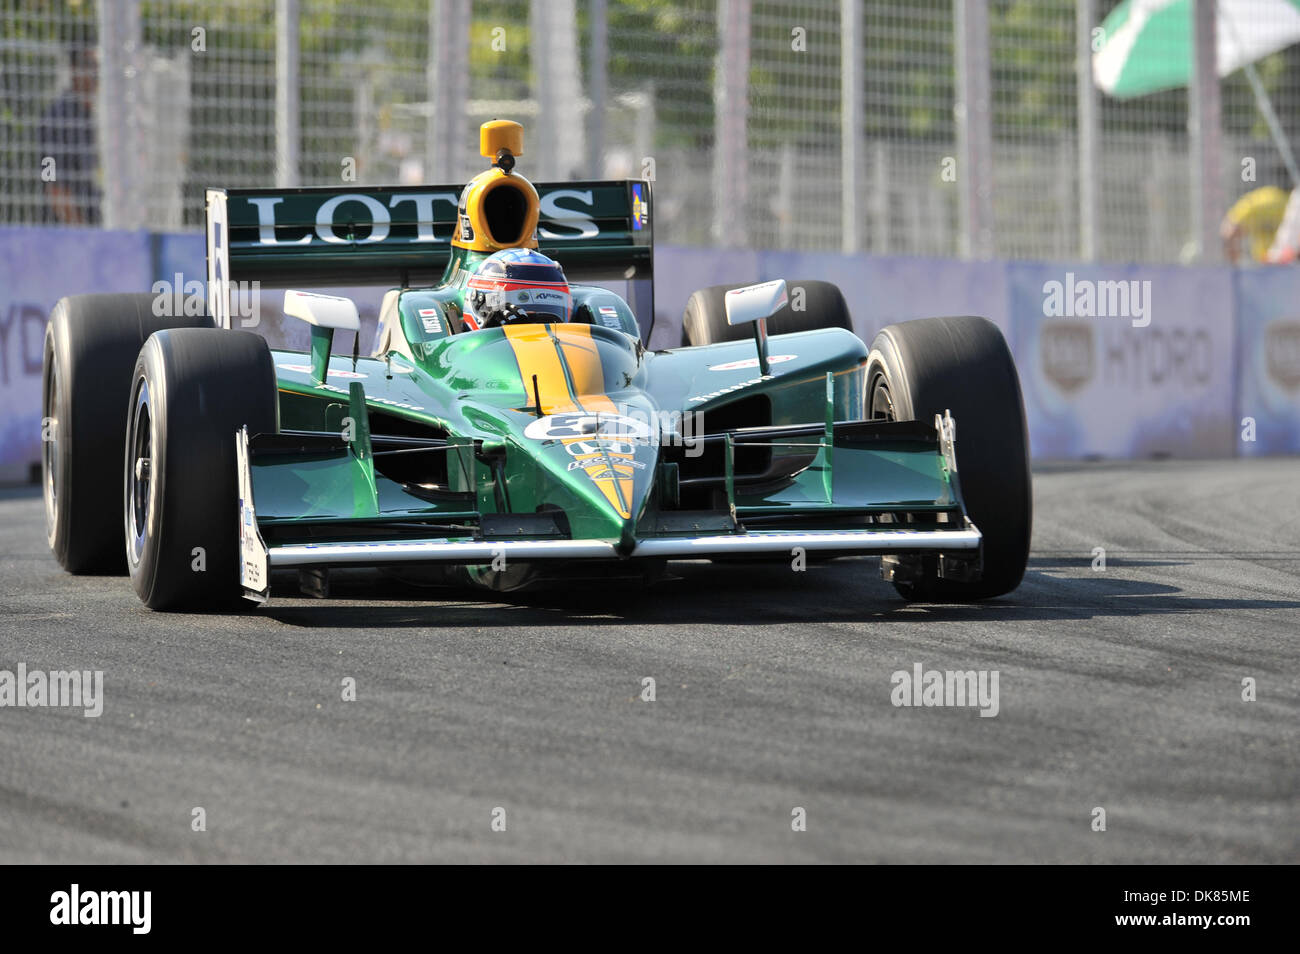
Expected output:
(39, 266)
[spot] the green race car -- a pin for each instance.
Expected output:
(510, 425)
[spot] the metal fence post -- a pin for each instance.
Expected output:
(1085, 20)
(447, 81)
(1206, 132)
(598, 88)
(286, 94)
(851, 123)
(559, 152)
(730, 139)
(119, 44)
(974, 127)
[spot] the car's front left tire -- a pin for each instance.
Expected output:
(191, 391)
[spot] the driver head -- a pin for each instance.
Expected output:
(514, 285)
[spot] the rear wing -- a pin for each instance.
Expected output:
(401, 235)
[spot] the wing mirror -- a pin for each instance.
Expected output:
(756, 304)
(324, 313)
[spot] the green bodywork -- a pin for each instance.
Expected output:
(470, 390)
(438, 435)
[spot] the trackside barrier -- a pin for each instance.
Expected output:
(1117, 361)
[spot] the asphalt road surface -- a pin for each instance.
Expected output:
(1119, 689)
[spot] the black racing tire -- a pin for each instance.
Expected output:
(917, 369)
(191, 390)
(705, 319)
(91, 343)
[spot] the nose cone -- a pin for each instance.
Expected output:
(596, 433)
(603, 462)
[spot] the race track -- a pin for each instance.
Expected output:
(1119, 689)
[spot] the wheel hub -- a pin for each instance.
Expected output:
(140, 476)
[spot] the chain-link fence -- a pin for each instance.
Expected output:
(930, 127)
(39, 109)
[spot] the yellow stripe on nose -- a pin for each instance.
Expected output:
(536, 354)
(583, 360)
(569, 378)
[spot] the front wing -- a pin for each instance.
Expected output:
(883, 488)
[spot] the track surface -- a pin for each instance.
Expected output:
(1119, 689)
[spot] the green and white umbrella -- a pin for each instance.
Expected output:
(1146, 47)
(1147, 44)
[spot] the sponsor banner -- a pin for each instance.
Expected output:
(1123, 360)
(38, 266)
(1268, 372)
(1169, 365)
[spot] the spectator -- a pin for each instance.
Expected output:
(1254, 217)
(1286, 243)
(68, 137)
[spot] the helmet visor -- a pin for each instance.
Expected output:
(545, 304)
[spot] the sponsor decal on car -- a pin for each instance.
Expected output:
(746, 363)
(431, 320)
(701, 398)
(604, 475)
(580, 426)
(253, 571)
(640, 210)
(565, 215)
(372, 399)
(601, 471)
(608, 316)
(333, 372)
(603, 446)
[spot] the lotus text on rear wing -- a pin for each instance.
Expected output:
(562, 217)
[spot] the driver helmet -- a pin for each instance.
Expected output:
(516, 285)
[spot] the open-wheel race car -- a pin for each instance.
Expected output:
(509, 422)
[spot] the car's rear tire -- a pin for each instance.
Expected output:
(822, 305)
(91, 343)
(917, 369)
(192, 389)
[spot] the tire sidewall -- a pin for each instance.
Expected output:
(56, 510)
(885, 361)
(148, 371)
